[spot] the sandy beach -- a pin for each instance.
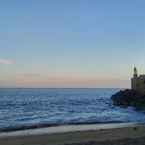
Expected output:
(92, 134)
(138, 141)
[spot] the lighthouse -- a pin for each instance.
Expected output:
(138, 82)
(135, 72)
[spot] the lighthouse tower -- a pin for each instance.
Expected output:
(135, 72)
(134, 80)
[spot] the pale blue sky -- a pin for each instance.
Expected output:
(71, 43)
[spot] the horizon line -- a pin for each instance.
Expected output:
(62, 88)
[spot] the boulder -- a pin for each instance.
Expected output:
(129, 97)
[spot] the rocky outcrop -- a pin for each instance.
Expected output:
(129, 97)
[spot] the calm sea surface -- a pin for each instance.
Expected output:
(26, 107)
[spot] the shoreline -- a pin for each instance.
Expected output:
(69, 134)
(45, 125)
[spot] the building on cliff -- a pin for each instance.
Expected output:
(138, 82)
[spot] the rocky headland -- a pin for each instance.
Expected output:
(129, 97)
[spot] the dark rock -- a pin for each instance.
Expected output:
(129, 97)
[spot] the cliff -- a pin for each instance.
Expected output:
(129, 97)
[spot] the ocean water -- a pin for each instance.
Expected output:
(27, 107)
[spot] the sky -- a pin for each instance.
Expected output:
(71, 43)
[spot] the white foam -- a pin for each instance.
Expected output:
(66, 128)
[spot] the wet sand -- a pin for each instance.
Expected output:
(94, 134)
(138, 141)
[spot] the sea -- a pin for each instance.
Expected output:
(26, 108)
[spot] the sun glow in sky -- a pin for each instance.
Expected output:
(71, 43)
